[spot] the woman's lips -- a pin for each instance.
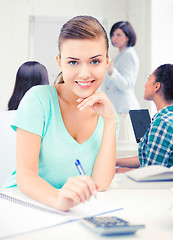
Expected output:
(84, 84)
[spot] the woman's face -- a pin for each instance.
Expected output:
(119, 39)
(83, 63)
(150, 87)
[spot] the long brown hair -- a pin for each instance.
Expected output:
(81, 27)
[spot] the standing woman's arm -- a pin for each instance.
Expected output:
(126, 76)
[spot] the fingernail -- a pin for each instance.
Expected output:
(81, 108)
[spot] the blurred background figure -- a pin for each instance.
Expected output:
(29, 74)
(121, 76)
(155, 147)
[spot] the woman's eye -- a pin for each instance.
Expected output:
(73, 63)
(95, 61)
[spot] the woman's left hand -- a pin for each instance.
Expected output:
(100, 103)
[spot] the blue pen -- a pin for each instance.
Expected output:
(82, 172)
(79, 167)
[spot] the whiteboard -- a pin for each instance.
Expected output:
(43, 41)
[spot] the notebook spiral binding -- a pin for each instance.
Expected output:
(30, 205)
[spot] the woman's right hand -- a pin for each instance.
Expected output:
(76, 190)
(110, 67)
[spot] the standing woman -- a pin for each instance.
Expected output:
(121, 77)
(67, 121)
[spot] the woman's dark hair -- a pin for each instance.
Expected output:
(164, 75)
(128, 30)
(81, 27)
(29, 74)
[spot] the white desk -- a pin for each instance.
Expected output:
(121, 181)
(143, 203)
(141, 206)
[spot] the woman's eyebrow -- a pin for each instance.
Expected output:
(72, 58)
(99, 55)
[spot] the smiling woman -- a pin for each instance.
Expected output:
(67, 121)
(86, 68)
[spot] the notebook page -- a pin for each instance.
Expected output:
(19, 219)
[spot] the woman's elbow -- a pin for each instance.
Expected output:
(104, 184)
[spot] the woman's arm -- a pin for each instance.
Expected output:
(74, 191)
(131, 162)
(127, 76)
(104, 167)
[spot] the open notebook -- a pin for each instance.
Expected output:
(20, 214)
(151, 173)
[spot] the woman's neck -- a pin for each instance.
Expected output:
(122, 48)
(66, 95)
(162, 104)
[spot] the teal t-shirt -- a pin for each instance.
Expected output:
(39, 113)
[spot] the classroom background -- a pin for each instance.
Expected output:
(152, 21)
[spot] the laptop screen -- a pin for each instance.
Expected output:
(140, 120)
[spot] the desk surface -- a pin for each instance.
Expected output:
(121, 181)
(141, 206)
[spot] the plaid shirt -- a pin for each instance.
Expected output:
(156, 146)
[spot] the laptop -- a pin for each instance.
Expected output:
(140, 120)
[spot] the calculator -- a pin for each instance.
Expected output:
(110, 225)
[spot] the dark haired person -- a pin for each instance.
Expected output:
(156, 146)
(121, 76)
(29, 74)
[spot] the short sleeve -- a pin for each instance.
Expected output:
(30, 114)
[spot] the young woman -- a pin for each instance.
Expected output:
(156, 147)
(29, 74)
(121, 76)
(58, 124)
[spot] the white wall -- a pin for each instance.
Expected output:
(14, 25)
(162, 32)
(161, 36)
(139, 14)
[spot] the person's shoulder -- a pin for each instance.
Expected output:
(164, 120)
(41, 90)
(130, 54)
(38, 94)
(130, 51)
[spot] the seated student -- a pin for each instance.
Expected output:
(67, 121)
(156, 147)
(29, 74)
